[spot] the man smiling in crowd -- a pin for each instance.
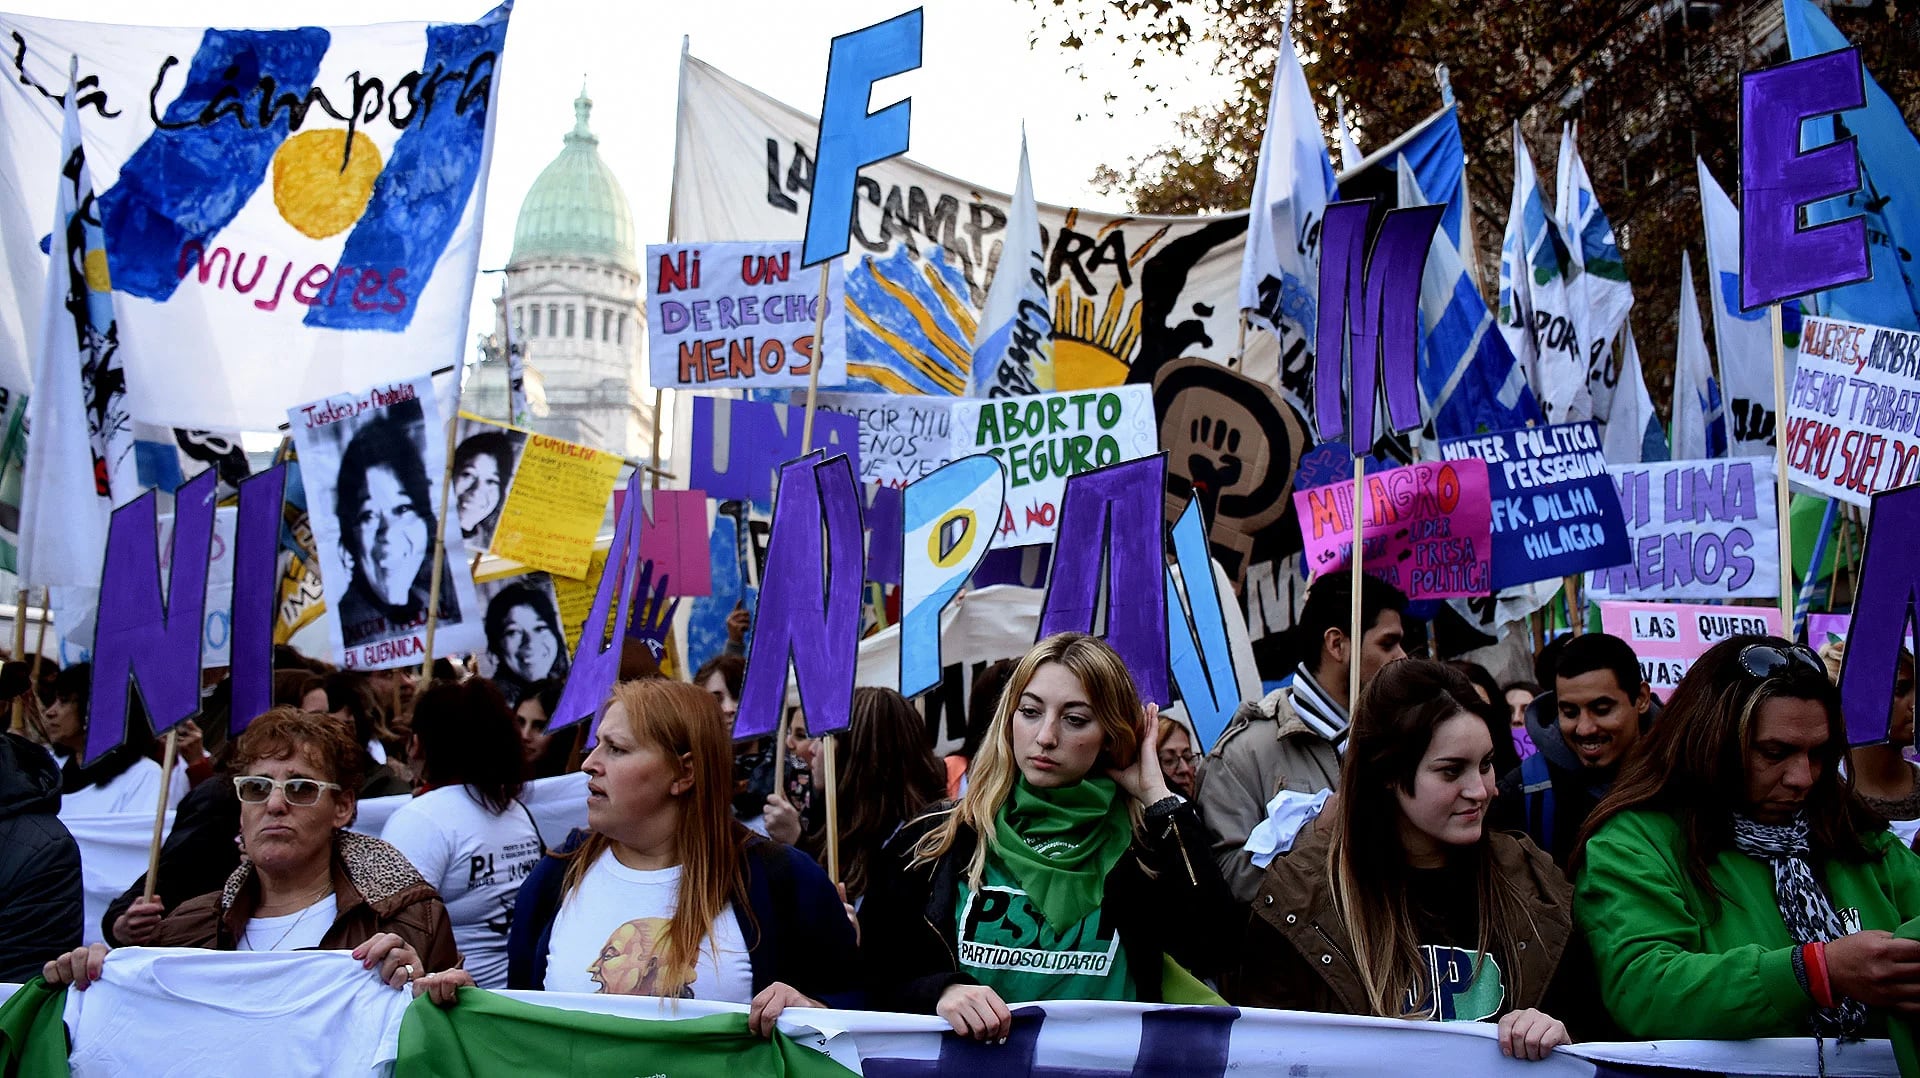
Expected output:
(1598, 709)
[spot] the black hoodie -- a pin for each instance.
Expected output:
(40, 886)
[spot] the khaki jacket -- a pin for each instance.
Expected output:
(1265, 749)
(375, 890)
(1298, 955)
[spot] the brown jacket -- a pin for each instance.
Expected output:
(1297, 954)
(375, 889)
(1267, 748)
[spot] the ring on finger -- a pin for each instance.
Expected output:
(407, 969)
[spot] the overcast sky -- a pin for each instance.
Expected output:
(979, 80)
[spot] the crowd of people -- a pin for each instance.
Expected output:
(1569, 857)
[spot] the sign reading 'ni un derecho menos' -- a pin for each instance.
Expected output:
(1853, 415)
(740, 316)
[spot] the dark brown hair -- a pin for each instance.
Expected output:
(888, 775)
(1366, 859)
(468, 738)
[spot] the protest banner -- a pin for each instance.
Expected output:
(901, 438)
(314, 240)
(1853, 417)
(554, 508)
(1668, 637)
(738, 446)
(484, 460)
(368, 460)
(1698, 529)
(574, 598)
(137, 1008)
(1047, 438)
(1555, 510)
(1427, 528)
(733, 316)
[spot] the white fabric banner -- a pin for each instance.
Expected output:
(371, 462)
(1699, 414)
(288, 213)
(1127, 293)
(113, 854)
(203, 1008)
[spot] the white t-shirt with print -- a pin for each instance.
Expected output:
(183, 1010)
(477, 861)
(610, 937)
(292, 931)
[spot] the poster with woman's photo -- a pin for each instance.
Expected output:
(484, 460)
(526, 644)
(372, 463)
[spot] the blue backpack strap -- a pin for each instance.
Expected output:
(1536, 785)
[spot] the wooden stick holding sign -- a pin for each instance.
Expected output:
(850, 138)
(1367, 344)
(440, 532)
(1778, 258)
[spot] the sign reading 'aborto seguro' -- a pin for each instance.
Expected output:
(1045, 438)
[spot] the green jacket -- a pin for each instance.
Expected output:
(1667, 970)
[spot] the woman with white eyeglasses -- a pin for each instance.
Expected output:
(304, 882)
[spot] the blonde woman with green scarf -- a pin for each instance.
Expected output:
(1068, 870)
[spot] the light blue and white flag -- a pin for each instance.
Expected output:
(1889, 195)
(1350, 155)
(1535, 309)
(1740, 338)
(1469, 380)
(1013, 344)
(1632, 432)
(1699, 415)
(1597, 289)
(1280, 266)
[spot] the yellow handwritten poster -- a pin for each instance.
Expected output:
(555, 505)
(576, 601)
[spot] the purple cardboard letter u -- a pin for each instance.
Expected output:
(1779, 259)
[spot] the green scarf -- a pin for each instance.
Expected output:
(1061, 843)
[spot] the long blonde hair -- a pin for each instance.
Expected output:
(1115, 704)
(679, 719)
(1366, 861)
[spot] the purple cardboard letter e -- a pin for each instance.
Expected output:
(1778, 258)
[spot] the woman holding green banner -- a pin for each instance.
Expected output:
(1067, 871)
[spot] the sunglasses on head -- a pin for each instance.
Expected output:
(1765, 660)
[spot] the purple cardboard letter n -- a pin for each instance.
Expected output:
(142, 633)
(809, 615)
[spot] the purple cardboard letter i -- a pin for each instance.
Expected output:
(142, 634)
(256, 561)
(596, 662)
(1778, 258)
(1370, 314)
(1110, 519)
(809, 613)
(1883, 616)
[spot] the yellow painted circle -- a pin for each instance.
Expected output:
(311, 189)
(97, 278)
(953, 557)
(1079, 365)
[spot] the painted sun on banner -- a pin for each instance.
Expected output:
(310, 194)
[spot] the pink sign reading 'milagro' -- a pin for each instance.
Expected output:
(1428, 530)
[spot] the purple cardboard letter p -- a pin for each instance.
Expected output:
(1779, 259)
